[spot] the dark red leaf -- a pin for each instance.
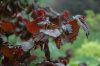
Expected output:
(75, 29)
(7, 26)
(58, 42)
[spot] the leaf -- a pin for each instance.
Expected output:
(58, 42)
(75, 29)
(7, 26)
(32, 27)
